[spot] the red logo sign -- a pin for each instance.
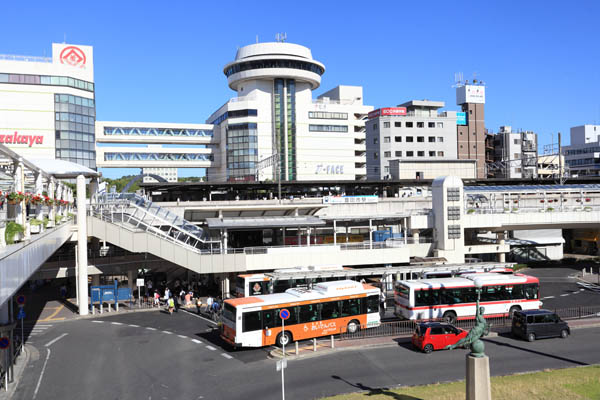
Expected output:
(387, 111)
(72, 56)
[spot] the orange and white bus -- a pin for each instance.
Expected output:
(329, 308)
(455, 298)
(260, 284)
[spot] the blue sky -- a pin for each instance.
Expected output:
(163, 61)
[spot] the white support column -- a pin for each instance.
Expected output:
(21, 211)
(82, 246)
(226, 287)
(225, 244)
(51, 195)
(307, 236)
(39, 188)
(334, 233)
(93, 190)
(370, 233)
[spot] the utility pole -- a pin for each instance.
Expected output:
(560, 166)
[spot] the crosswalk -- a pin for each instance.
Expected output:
(590, 286)
(31, 330)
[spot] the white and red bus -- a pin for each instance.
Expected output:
(329, 308)
(454, 298)
(260, 284)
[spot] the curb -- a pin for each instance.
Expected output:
(18, 370)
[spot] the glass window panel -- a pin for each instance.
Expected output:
(3, 78)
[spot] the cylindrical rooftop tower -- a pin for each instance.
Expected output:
(274, 60)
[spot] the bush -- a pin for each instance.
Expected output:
(12, 228)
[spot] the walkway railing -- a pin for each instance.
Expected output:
(134, 212)
(407, 327)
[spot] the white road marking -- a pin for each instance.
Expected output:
(581, 290)
(549, 297)
(199, 316)
(56, 339)
(563, 295)
(134, 326)
(98, 322)
(182, 336)
(151, 329)
(210, 348)
(116, 323)
(227, 356)
(167, 332)
(37, 387)
(196, 341)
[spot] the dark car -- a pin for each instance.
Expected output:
(431, 336)
(536, 324)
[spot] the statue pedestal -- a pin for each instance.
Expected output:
(478, 378)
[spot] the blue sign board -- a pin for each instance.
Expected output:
(284, 314)
(461, 118)
(4, 343)
(21, 314)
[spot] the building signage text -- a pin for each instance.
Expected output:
(329, 169)
(73, 56)
(22, 139)
(380, 112)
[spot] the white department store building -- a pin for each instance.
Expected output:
(47, 106)
(275, 116)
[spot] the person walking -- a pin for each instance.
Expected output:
(156, 299)
(171, 304)
(209, 303)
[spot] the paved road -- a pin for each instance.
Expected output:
(559, 288)
(180, 357)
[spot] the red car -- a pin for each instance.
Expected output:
(431, 336)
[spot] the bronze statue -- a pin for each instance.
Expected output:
(480, 329)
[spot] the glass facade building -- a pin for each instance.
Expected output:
(75, 119)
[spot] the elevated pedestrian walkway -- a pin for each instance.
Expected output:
(137, 225)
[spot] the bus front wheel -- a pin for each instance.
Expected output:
(284, 338)
(450, 317)
(353, 326)
(512, 311)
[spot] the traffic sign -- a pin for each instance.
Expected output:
(4, 343)
(21, 300)
(139, 282)
(284, 314)
(281, 364)
(21, 314)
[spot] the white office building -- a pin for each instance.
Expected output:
(517, 152)
(583, 155)
(412, 131)
(47, 106)
(274, 117)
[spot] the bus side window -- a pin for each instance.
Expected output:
(531, 291)
(517, 292)
(282, 285)
(251, 321)
(330, 310)
(372, 304)
(308, 313)
(269, 319)
(350, 307)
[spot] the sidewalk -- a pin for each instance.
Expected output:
(323, 347)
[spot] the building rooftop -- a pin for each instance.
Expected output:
(422, 104)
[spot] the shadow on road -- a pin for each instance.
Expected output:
(535, 352)
(377, 391)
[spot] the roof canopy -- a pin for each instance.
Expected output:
(64, 169)
(263, 222)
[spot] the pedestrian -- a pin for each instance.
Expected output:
(382, 304)
(188, 299)
(209, 303)
(149, 287)
(63, 291)
(176, 301)
(156, 299)
(171, 305)
(167, 294)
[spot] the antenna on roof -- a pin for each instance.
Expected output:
(281, 37)
(458, 79)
